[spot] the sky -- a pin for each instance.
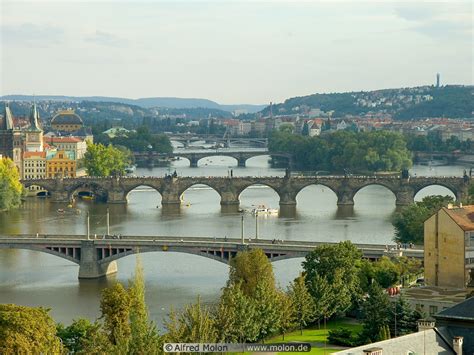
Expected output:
(232, 52)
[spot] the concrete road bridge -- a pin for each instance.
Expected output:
(97, 257)
(116, 189)
(152, 158)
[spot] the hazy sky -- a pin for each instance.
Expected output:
(231, 52)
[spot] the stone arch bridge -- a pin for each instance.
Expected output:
(97, 257)
(116, 189)
(150, 158)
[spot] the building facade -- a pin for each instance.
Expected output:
(62, 164)
(449, 248)
(73, 144)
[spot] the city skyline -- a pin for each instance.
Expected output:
(231, 53)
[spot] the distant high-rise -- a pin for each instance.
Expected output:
(437, 79)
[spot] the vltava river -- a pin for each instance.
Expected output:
(174, 279)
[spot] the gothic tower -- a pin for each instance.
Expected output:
(34, 134)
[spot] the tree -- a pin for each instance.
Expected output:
(250, 268)
(375, 314)
(386, 272)
(403, 318)
(10, 186)
(144, 338)
(287, 320)
(305, 130)
(100, 160)
(194, 324)
(267, 309)
(331, 274)
(236, 316)
(302, 304)
(115, 308)
(27, 330)
(74, 335)
(409, 221)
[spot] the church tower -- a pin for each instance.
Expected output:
(34, 134)
(6, 133)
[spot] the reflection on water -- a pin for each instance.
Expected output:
(174, 279)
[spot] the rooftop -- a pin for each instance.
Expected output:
(463, 216)
(461, 311)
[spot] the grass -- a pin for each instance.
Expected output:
(316, 336)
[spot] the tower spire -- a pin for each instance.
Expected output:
(34, 118)
(7, 118)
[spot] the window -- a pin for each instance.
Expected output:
(433, 310)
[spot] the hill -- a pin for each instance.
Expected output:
(150, 102)
(452, 101)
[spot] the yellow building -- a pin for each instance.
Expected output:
(67, 121)
(449, 248)
(61, 164)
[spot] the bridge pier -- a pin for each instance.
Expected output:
(89, 266)
(193, 162)
(116, 196)
(345, 198)
(229, 198)
(241, 162)
(60, 196)
(405, 197)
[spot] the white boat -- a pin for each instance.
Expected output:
(130, 169)
(263, 210)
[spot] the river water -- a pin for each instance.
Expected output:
(174, 279)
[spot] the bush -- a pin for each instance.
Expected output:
(341, 336)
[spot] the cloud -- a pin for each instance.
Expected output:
(106, 39)
(31, 34)
(438, 20)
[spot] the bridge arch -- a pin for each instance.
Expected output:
(61, 252)
(439, 189)
(368, 185)
(267, 197)
(315, 197)
(192, 189)
(150, 196)
(93, 188)
(216, 156)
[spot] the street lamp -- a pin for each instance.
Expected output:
(256, 224)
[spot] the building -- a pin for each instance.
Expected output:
(11, 142)
(34, 165)
(73, 144)
(452, 332)
(449, 248)
(34, 133)
(66, 121)
(61, 164)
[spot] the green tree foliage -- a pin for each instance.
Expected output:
(115, 308)
(302, 304)
(250, 299)
(74, 335)
(236, 316)
(249, 269)
(27, 330)
(10, 187)
(101, 160)
(409, 221)
(375, 315)
(143, 141)
(332, 276)
(194, 324)
(144, 338)
(403, 318)
(341, 336)
(365, 151)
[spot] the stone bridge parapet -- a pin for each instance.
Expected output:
(116, 189)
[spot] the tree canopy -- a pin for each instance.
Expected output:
(10, 186)
(410, 220)
(101, 160)
(342, 150)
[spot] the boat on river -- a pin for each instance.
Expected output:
(265, 211)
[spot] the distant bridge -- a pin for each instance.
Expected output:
(151, 158)
(187, 139)
(97, 257)
(116, 189)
